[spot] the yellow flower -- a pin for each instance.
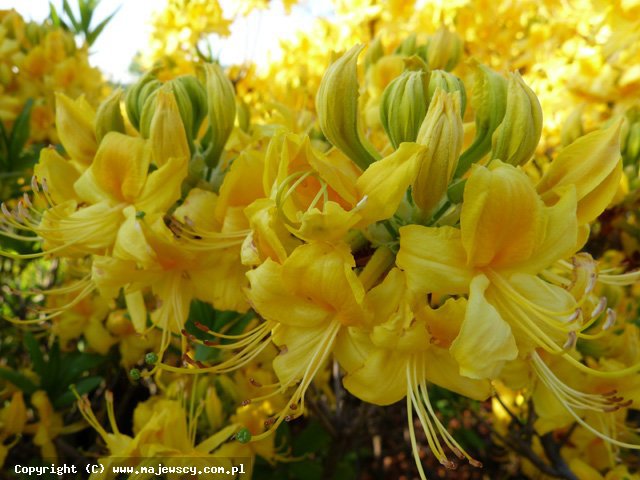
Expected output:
(507, 236)
(307, 301)
(406, 348)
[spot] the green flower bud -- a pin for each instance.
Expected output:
(489, 100)
(572, 128)
(337, 107)
(244, 115)
(631, 149)
(243, 435)
(408, 46)
(136, 97)
(109, 116)
(147, 112)
(442, 133)
(404, 105)
(517, 137)
(444, 50)
(151, 358)
(374, 53)
(192, 102)
(631, 137)
(221, 104)
(449, 83)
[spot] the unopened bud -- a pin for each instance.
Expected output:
(337, 107)
(442, 134)
(449, 83)
(166, 131)
(408, 46)
(192, 102)
(404, 105)
(221, 102)
(489, 100)
(444, 50)
(516, 138)
(374, 53)
(109, 116)
(137, 95)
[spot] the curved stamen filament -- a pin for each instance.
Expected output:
(572, 399)
(318, 358)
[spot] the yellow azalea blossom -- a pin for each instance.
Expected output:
(507, 236)
(406, 348)
(307, 301)
(161, 428)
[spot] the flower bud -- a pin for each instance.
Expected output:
(449, 83)
(516, 138)
(337, 107)
(408, 46)
(572, 128)
(137, 95)
(404, 105)
(75, 124)
(374, 53)
(109, 116)
(489, 99)
(167, 132)
(631, 139)
(442, 134)
(147, 111)
(444, 50)
(221, 104)
(192, 102)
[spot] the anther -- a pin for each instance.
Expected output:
(571, 341)
(293, 406)
(5, 211)
(201, 326)
(27, 200)
(45, 186)
(593, 279)
(475, 463)
(283, 350)
(269, 421)
(599, 308)
(255, 383)
(34, 184)
(611, 319)
(575, 315)
(246, 402)
(362, 202)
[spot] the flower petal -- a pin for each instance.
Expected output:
(484, 335)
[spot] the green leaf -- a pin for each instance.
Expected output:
(74, 365)
(20, 133)
(86, 13)
(67, 9)
(313, 439)
(35, 354)
(53, 15)
(19, 380)
(83, 387)
(95, 33)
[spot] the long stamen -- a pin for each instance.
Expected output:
(571, 399)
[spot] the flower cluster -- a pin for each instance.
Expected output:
(388, 223)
